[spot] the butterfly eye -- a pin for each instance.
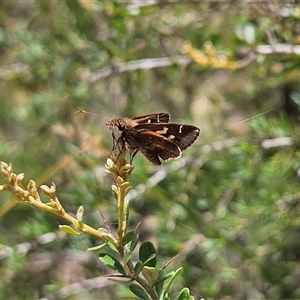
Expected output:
(121, 127)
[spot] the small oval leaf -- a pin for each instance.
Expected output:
(147, 250)
(112, 262)
(184, 294)
(138, 267)
(134, 242)
(128, 237)
(139, 291)
(151, 274)
(80, 213)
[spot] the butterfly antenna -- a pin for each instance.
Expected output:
(81, 111)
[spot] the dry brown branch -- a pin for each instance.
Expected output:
(147, 63)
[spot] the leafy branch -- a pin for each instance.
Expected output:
(29, 195)
(147, 280)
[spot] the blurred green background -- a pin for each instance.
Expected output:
(229, 206)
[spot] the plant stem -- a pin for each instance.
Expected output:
(121, 218)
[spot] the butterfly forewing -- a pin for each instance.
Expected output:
(153, 118)
(188, 134)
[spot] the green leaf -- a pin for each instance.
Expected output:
(97, 247)
(135, 239)
(68, 229)
(151, 274)
(146, 251)
(126, 211)
(138, 267)
(158, 285)
(164, 277)
(112, 262)
(185, 295)
(172, 278)
(102, 229)
(127, 257)
(127, 190)
(110, 239)
(139, 291)
(128, 237)
(115, 191)
(112, 246)
(79, 214)
(134, 242)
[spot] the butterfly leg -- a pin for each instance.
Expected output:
(132, 154)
